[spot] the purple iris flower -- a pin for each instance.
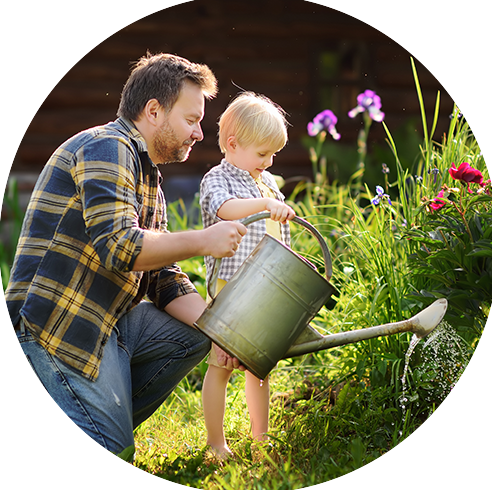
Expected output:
(380, 195)
(324, 121)
(371, 102)
(434, 171)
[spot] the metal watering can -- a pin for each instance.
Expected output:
(262, 314)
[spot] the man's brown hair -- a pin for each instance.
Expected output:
(161, 77)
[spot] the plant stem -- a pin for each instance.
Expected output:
(462, 214)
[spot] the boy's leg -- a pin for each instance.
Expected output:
(258, 400)
(161, 351)
(214, 401)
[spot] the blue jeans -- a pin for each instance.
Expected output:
(147, 355)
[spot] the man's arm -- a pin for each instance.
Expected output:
(162, 249)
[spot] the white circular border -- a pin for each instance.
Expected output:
(40, 42)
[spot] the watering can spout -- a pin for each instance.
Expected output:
(428, 319)
(421, 325)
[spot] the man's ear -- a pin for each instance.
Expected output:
(152, 111)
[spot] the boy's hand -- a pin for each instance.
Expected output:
(279, 211)
(226, 361)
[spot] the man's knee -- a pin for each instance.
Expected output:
(203, 345)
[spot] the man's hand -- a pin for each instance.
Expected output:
(226, 361)
(223, 239)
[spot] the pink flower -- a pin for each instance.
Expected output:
(437, 203)
(485, 187)
(466, 173)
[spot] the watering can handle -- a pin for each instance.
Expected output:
(212, 285)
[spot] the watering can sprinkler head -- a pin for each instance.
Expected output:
(429, 318)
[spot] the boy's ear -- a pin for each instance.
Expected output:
(231, 143)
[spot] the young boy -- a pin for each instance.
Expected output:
(251, 130)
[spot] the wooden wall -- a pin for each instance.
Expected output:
(268, 46)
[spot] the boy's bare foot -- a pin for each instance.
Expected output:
(221, 453)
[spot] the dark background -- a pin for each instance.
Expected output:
(304, 56)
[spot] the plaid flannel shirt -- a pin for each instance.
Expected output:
(222, 183)
(72, 277)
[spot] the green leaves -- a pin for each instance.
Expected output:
(483, 248)
(454, 259)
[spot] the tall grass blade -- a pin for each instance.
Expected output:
(422, 110)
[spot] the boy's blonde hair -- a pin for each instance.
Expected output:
(253, 119)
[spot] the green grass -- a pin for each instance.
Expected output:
(320, 430)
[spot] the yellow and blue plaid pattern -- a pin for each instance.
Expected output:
(72, 277)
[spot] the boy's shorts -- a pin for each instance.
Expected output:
(212, 359)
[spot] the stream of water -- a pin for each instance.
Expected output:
(443, 358)
(413, 343)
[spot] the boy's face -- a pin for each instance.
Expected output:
(253, 158)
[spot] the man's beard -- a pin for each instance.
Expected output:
(167, 148)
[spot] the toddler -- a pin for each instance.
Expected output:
(251, 130)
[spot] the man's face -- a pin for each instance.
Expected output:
(180, 128)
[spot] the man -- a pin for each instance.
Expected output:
(94, 244)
